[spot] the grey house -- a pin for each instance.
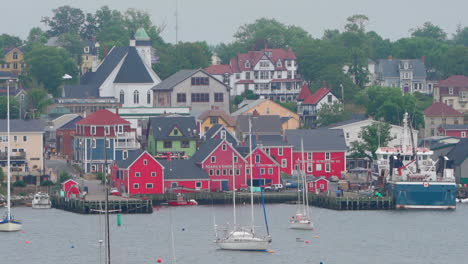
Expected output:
(196, 89)
(458, 159)
(409, 75)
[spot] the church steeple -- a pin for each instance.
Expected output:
(143, 45)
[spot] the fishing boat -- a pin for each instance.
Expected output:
(180, 201)
(41, 201)
(9, 223)
(244, 238)
(301, 220)
(412, 175)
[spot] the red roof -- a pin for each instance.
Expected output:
(317, 96)
(441, 109)
(238, 63)
(454, 81)
(219, 69)
(305, 92)
(103, 117)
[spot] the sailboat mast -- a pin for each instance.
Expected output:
(234, 189)
(303, 175)
(415, 153)
(107, 202)
(251, 174)
(8, 153)
(305, 184)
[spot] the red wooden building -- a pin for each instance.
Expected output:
(64, 138)
(279, 149)
(140, 173)
(459, 131)
(318, 185)
(184, 176)
(324, 151)
(71, 188)
(220, 160)
(265, 169)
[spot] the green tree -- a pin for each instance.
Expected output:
(63, 177)
(2, 177)
(48, 65)
(9, 41)
(37, 101)
(373, 136)
(36, 37)
(331, 113)
(461, 36)
(14, 107)
(90, 27)
(73, 44)
(431, 31)
(357, 23)
(250, 95)
(66, 19)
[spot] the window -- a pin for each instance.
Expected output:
(257, 158)
(153, 174)
(329, 98)
(219, 97)
(284, 163)
(181, 98)
(107, 143)
(167, 144)
(224, 147)
(213, 159)
(211, 172)
(267, 150)
(280, 151)
(230, 172)
(237, 172)
(86, 49)
(223, 134)
(309, 155)
(278, 63)
(247, 75)
(25, 138)
(327, 167)
(120, 129)
(237, 76)
(136, 186)
(217, 172)
(270, 171)
(136, 97)
(124, 155)
(347, 134)
(327, 155)
(148, 97)
(145, 162)
(200, 97)
(247, 171)
(93, 130)
(263, 75)
(200, 81)
(149, 186)
(107, 130)
(288, 63)
(173, 184)
(450, 90)
(262, 171)
(213, 120)
(224, 172)
(93, 143)
(137, 174)
(184, 144)
(236, 159)
(198, 185)
(247, 64)
(15, 55)
(264, 64)
(463, 134)
(268, 110)
(318, 167)
(15, 65)
(432, 132)
(176, 132)
(122, 97)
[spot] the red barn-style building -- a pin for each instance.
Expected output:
(184, 176)
(265, 169)
(71, 188)
(64, 138)
(318, 185)
(140, 173)
(218, 157)
(459, 131)
(324, 151)
(278, 149)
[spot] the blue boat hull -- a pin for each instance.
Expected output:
(424, 195)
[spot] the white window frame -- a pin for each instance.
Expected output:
(108, 143)
(309, 155)
(463, 134)
(280, 151)
(213, 159)
(450, 90)
(137, 174)
(136, 186)
(270, 171)
(93, 130)
(25, 138)
(218, 172)
(284, 163)
(236, 159)
(93, 143)
(149, 186)
(120, 129)
(211, 172)
(223, 134)
(327, 155)
(327, 167)
(198, 185)
(153, 174)
(124, 155)
(309, 167)
(262, 171)
(107, 130)
(224, 147)
(318, 167)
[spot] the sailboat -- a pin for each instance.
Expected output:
(8, 223)
(243, 238)
(301, 220)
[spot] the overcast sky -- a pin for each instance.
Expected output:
(217, 20)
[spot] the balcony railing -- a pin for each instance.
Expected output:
(13, 156)
(129, 144)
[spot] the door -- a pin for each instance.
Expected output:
(224, 185)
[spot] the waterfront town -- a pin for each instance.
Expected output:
(98, 107)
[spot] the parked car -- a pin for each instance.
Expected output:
(267, 187)
(115, 192)
(291, 184)
(277, 187)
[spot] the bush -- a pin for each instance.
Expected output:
(63, 176)
(47, 183)
(100, 176)
(19, 184)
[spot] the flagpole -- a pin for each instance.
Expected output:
(251, 175)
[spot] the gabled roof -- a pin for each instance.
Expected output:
(70, 125)
(132, 156)
(454, 81)
(218, 113)
(317, 139)
(248, 106)
(169, 83)
(354, 118)
(204, 150)
(272, 141)
(19, 125)
(162, 126)
(261, 125)
(13, 91)
(103, 117)
(133, 69)
(389, 68)
(183, 170)
(460, 152)
(317, 96)
(214, 131)
(7, 74)
(304, 93)
(219, 69)
(441, 109)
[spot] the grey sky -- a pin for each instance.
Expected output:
(217, 20)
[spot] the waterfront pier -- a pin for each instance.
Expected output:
(124, 206)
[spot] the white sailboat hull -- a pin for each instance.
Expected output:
(244, 245)
(41, 206)
(302, 225)
(9, 226)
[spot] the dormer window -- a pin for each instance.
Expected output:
(86, 49)
(269, 54)
(450, 90)
(247, 64)
(278, 63)
(405, 66)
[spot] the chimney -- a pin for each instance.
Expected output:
(423, 59)
(106, 50)
(390, 57)
(255, 113)
(117, 110)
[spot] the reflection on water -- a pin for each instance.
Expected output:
(340, 237)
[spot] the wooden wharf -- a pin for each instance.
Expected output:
(124, 206)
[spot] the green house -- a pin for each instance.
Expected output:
(175, 134)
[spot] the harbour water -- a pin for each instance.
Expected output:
(346, 237)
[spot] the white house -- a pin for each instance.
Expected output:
(270, 73)
(124, 74)
(308, 104)
(352, 131)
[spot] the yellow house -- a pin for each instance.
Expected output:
(90, 58)
(13, 61)
(27, 148)
(289, 119)
(212, 117)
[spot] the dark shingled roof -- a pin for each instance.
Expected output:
(19, 125)
(460, 152)
(71, 125)
(205, 149)
(272, 141)
(263, 124)
(214, 132)
(132, 156)
(176, 78)
(455, 127)
(167, 124)
(6, 74)
(182, 170)
(354, 118)
(133, 69)
(390, 68)
(317, 139)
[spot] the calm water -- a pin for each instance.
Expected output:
(340, 237)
